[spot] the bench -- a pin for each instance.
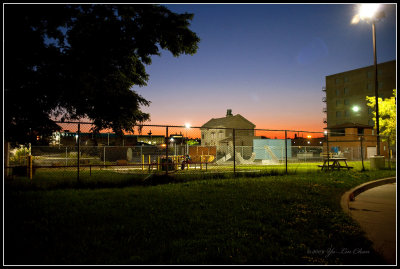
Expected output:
(335, 164)
(341, 166)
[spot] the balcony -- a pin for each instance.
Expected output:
(324, 99)
(325, 120)
(324, 89)
(324, 110)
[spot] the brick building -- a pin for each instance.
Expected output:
(349, 89)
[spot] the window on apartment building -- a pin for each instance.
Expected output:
(202, 136)
(346, 91)
(337, 132)
(369, 86)
(360, 131)
(369, 74)
(337, 92)
(212, 136)
(380, 72)
(338, 81)
(346, 79)
(338, 102)
(338, 114)
(380, 85)
(346, 101)
(346, 113)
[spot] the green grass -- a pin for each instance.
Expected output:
(285, 219)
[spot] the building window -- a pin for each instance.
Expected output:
(380, 72)
(338, 81)
(346, 101)
(380, 85)
(338, 114)
(346, 113)
(337, 92)
(346, 91)
(370, 111)
(369, 74)
(346, 79)
(202, 136)
(338, 102)
(369, 86)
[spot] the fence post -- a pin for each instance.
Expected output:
(362, 153)
(327, 147)
(29, 166)
(286, 150)
(234, 151)
(166, 150)
(79, 149)
(104, 156)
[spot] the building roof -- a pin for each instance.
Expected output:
(229, 122)
(350, 125)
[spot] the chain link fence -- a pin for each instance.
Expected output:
(77, 151)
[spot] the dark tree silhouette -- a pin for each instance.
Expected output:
(81, 61)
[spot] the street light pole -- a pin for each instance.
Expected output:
(378, 149)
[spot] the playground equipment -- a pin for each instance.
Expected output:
(271, 153)
(240, 160)
(224, 159)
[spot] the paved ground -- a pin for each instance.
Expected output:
(375, 210)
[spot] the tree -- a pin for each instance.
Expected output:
(82, 61)
(387, 116)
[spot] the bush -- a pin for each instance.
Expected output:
(19, 153)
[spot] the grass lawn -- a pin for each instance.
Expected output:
(282, 219)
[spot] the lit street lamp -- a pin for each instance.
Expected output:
(355, 108)
(370, 13)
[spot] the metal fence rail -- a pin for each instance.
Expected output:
(167, 149)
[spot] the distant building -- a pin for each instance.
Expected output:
(348, 89)
(344, 140)
(214, 134)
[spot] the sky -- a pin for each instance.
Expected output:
(266, 62)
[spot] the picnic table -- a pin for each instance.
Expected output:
(335, 163)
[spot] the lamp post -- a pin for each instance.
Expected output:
(369, 13)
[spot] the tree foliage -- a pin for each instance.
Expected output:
(387, 116)
(81, 61)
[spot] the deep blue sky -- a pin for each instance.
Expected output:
(267, 62)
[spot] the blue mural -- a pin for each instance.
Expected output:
(270, 149)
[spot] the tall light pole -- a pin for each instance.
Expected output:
(370, 13)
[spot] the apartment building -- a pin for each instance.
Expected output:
(349, 89)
